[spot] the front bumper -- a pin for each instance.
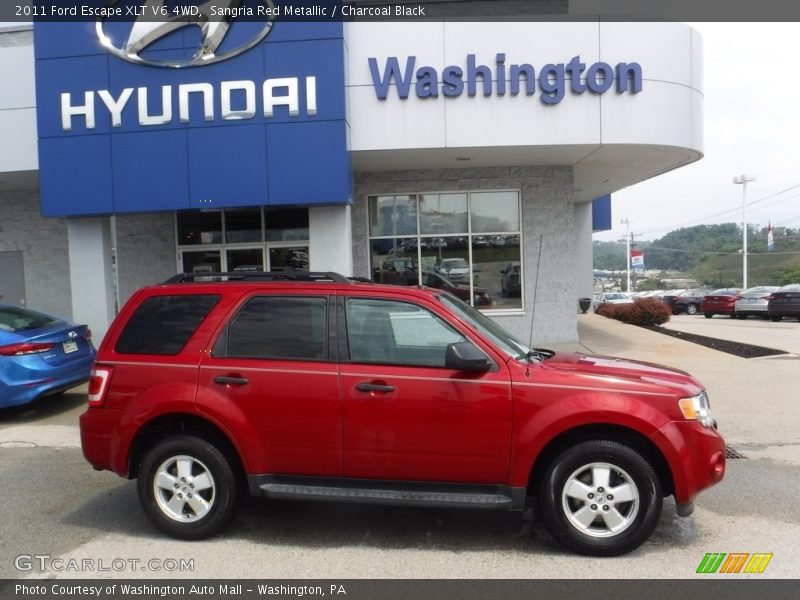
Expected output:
(696, 458)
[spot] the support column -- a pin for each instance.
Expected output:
(91, 274)
(330, 233)
(584, 253)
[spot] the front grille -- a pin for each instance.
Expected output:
(731, 454)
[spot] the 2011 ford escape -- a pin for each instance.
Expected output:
(315, 387)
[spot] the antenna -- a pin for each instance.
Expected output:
(533, 306)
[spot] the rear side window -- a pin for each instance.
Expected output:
(21, 319)
(278, 328)
(163, 324)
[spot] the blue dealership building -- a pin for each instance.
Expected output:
(135, 149)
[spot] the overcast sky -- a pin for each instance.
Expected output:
(752, 126)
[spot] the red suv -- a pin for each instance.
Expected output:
(315, 387)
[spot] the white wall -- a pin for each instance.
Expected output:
(18, 150)
(330, 239)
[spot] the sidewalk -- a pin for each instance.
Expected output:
(754, 400)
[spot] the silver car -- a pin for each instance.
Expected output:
(754, 301)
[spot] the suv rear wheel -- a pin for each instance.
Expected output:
(600, 498)
(187, 487)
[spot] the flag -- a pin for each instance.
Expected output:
(770, 239)
(637, 260)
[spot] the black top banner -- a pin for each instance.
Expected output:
(25, 11)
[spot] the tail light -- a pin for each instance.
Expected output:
(771, 297)
(24, 348)
(87, 335)
(99, 379)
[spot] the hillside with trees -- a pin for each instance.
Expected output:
(712, 254)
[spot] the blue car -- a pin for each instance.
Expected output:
(40, 355)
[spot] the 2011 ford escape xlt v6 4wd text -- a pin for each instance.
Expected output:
(311, 386)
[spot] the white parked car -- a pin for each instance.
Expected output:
(611, 298)
(455, 269)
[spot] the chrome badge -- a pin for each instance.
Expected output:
(214, 17)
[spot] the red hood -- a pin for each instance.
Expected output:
(619, 373)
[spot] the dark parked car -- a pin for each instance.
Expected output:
(326, 389)
(461, 290)
(720, 302)
(510, 284)
(689, 301)
(40, 355)
(397, 271)
(754, 301)
(784, 302)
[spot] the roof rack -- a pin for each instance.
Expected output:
(258, 276)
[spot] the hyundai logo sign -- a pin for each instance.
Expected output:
(155, 21)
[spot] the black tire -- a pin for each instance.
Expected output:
(708, 315)
(626, 466)
(204, 459)
(691, 309)
(741, 316)
(775, 318)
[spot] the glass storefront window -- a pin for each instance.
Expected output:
(494, 212)
(245, 259)
(468, 244)
(443, 213)
(234, 240)
(199, 227)
(286, 224)
(203, 261)
(393, 215)
(288, 259)
(243, 226)
(394, 261)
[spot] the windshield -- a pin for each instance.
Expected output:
(485, 326)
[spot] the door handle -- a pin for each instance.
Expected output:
(229, 380)
(374, 387)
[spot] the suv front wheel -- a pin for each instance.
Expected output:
(187, 487)
(600, 498)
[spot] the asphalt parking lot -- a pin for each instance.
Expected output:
(62, 509)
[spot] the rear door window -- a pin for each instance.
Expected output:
(277, 328)
(162, 325)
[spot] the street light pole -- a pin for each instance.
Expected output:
(627, 224)
(743, 181)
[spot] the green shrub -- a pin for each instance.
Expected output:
(647, 311)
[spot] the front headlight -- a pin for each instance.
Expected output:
(697, 408)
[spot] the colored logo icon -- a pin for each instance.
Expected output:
(735, 562)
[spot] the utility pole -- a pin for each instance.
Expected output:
(743, 180)
(627, 223)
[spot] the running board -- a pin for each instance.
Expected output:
(365, 491)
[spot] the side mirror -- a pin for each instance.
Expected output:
(464, 356)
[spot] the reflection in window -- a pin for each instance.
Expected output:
(468, 245)
(286, 224)
(443, 213)
(393, 215)
(387, 332)
(199, 227)
(288, 259)
(243, 225)
(278, 328)
(494, 211)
